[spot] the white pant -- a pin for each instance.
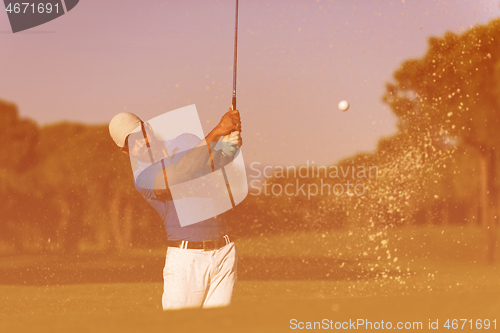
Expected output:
(197, 278)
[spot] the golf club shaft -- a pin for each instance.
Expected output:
(233, 102)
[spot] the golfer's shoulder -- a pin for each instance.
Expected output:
(186, 141)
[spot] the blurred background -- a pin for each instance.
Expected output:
(423, 82)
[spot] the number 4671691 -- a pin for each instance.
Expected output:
(26, 7)
(464, 323)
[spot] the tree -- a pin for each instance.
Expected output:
(87, 179)
(451, 96)
(17, 154)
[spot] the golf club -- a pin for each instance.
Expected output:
(233, 101)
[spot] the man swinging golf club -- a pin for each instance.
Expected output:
(200, 265)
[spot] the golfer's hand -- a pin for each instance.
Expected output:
(231, 143)
(230, 122)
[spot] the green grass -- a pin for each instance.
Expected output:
(438, 273)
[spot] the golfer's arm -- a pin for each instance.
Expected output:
(186, 169)
(195, 162)
(220, 159)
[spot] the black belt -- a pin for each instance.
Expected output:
(208, 245)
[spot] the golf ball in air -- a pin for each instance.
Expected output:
(343, 105)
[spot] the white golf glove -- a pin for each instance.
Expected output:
(230, 143)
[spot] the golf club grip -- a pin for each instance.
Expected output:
(233, 105)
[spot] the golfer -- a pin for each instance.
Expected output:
(201, 259)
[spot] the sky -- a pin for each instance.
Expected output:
(296, 61)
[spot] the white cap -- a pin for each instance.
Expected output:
(122, 125)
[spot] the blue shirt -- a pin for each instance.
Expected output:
(210, 229)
